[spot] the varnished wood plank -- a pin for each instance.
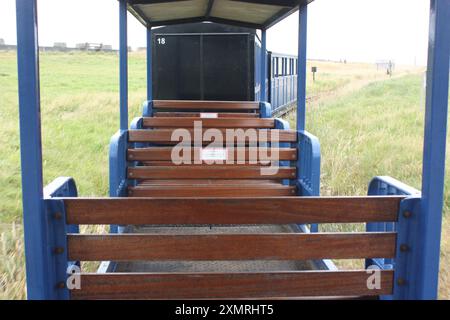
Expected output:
(212, 191)
(230, 285)
(165, 135)
(208, 172)
(276, 210)
(198, 114)
(204, 163)
(207, 123)
(260, 154)
(213, 182)
(212, 247)
(205, 105)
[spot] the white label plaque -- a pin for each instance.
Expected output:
(209, 115)
(213, 154)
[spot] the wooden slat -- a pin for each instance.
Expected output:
(205, 105)
(207, 172)
(213, 182)
(212, 191)
(165, 153)
(276, 210)
(198, 114)
(212, 247)
(208, 123)
(204, 163)
(230, 285)
(165, 135)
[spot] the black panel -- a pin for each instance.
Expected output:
(226, 67)
(176, 65)
(203, 66)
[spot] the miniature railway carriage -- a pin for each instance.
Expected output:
(226, 230)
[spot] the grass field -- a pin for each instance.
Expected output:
(368, 125)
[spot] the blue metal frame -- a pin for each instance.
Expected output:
(433, 173)
(123, 57)
(263, 66)
(301, 68)
(419, 226)
(38, 259)
(149, 65)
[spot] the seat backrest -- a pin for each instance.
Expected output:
(239, 166)
(234, 247)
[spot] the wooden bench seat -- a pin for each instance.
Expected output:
(165, 248)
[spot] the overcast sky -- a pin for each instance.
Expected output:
(356, 30)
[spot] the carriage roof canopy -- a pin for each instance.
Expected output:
(260, 14)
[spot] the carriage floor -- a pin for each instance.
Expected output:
(213, 266)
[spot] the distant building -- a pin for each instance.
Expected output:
(60, 45)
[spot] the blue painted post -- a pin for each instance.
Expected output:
(123, 48)
(149, 65)
(34, 220)
(301, 78)
(430, 219)
(263, 93)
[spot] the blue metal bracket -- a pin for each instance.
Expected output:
(118, 164)
(308, 164)
(147, 109)
(265, 110)
(283, 125)
(118, 181)
(386, 186)
(57, 249)
(408, 255)
(308, 167)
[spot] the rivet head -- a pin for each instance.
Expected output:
(59, 250)
(404, 247)
(130, 156)
(57, 215)
(407, 214)
(131, 174)
(401, 281)
(61, 285)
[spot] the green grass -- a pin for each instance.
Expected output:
(368, 125)
(79, 105)
(377, 130)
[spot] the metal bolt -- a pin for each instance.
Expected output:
(404, 247)
(59, 250)
(407, 214)
(293, 174)
(130, 156)
(61, 285)
(57, 216)
(401, 281)
(131, 174)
